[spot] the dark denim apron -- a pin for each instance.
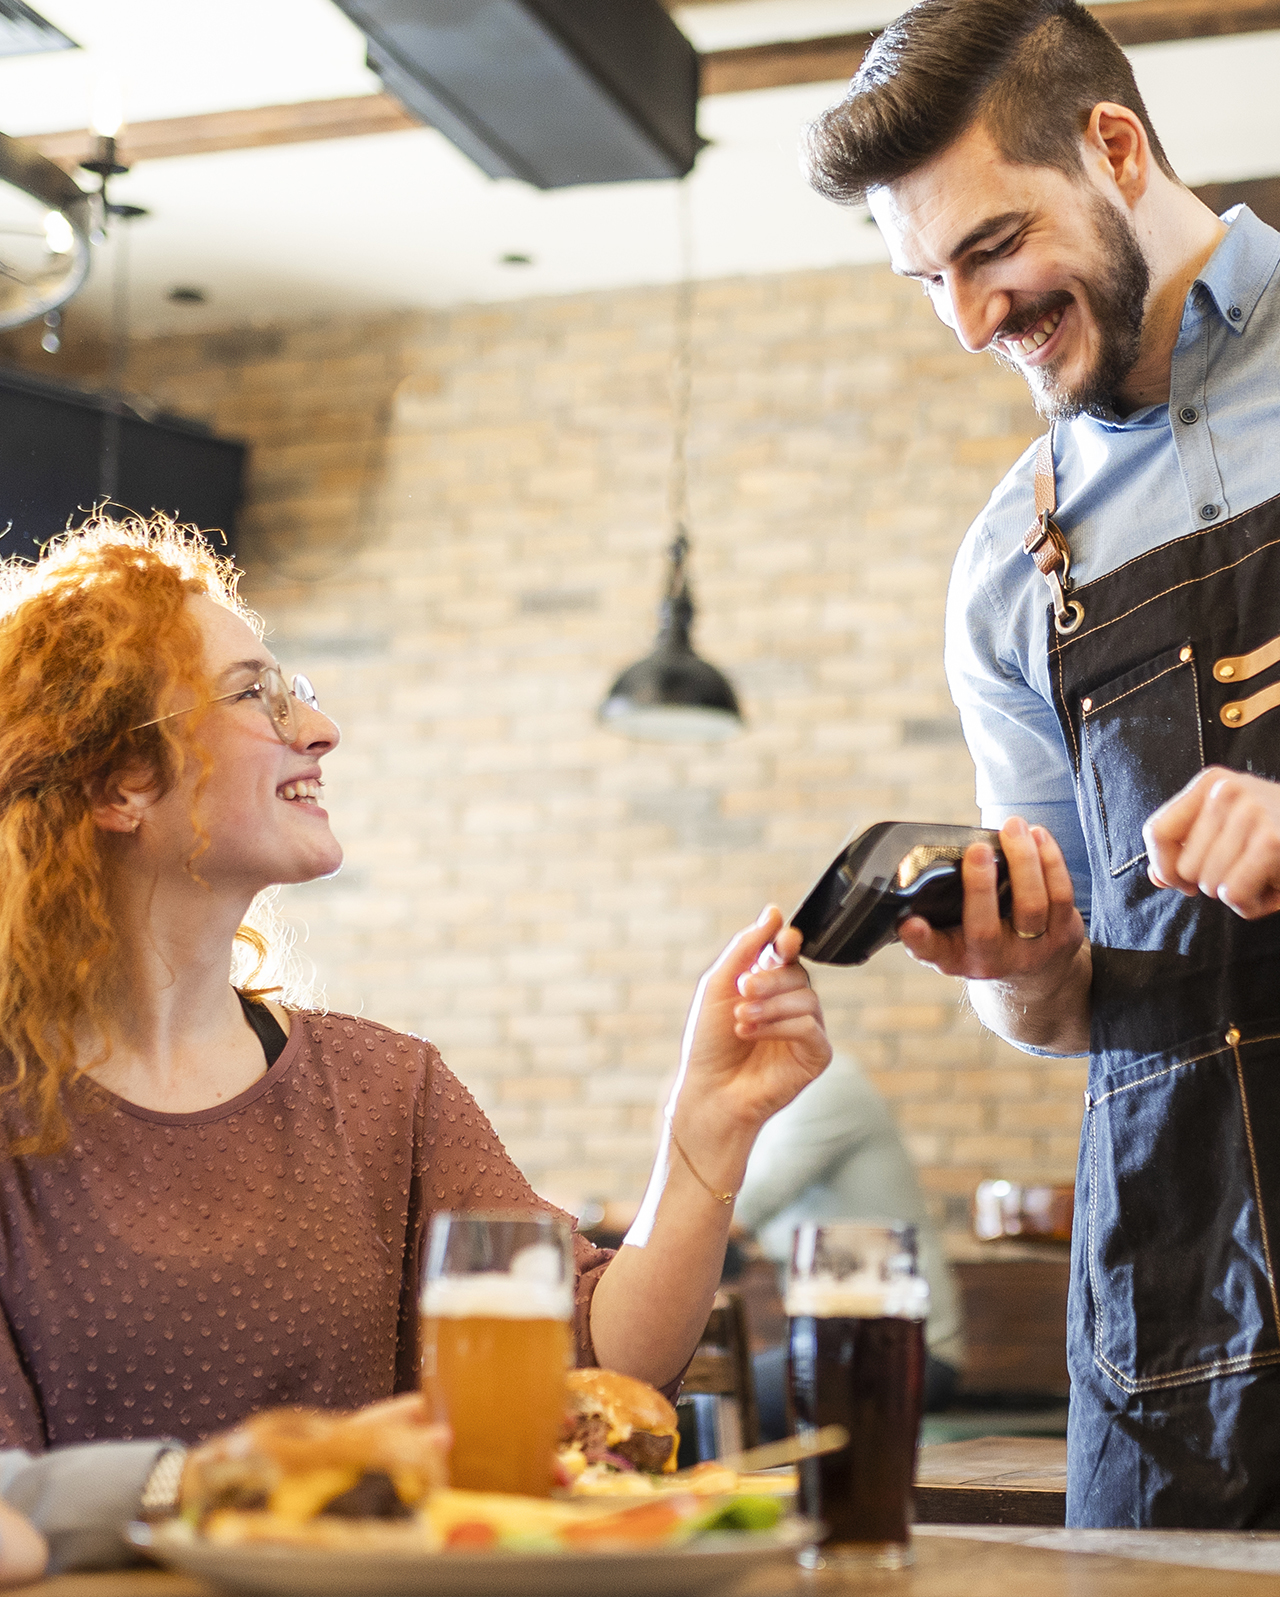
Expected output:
(1173, 1320)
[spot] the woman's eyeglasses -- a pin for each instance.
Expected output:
(270, 693)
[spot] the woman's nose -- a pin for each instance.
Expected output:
(318, 733)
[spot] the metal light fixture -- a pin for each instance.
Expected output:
(673, 695)
(44, 234)
(107, 120)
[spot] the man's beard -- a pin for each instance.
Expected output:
(1117, 299)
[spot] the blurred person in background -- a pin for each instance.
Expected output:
(834, 1153)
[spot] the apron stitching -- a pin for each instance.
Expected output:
(1178, 665)
(1257, 1187)
(1189, 1376)
(1168, 1070)
(1062, 694)
(1195, 688)
(1093, 1206)
(1176, 543)
(1248, 1041)
(1191, 582)
(1102, 802)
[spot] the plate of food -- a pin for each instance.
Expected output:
(620, 1442)
(299, 1503)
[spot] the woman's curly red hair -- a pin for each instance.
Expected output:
(95, 638)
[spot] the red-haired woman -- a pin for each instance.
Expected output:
(210, 1203)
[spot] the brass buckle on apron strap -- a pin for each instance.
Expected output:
(1047, 546)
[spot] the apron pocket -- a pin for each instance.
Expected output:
(1143, 743)
(1177, 1242)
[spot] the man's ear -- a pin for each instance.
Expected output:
(120, 801)
(1118, 150)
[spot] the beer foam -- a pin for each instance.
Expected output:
(492, 1296)
(859, 1297)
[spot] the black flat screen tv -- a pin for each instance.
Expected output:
(51, 445)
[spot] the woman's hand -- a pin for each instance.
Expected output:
(23, 1550)
(753, 1040)
(755, 1034)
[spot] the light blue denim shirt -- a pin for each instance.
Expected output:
(1125, 485)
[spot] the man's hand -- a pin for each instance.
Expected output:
(1220, 836)
(1045, 927)
(1031, 973)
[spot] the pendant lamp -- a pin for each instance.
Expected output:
(673, 695)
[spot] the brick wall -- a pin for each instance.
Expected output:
(456, 526)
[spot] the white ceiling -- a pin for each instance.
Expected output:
(402, 220)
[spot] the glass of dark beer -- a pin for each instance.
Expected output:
(857, 1309)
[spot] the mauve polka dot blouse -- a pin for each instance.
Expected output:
(165, 1275)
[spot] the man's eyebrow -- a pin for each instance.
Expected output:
(975, 236)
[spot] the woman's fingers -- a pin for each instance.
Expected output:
(744, 951)
(766, 1009)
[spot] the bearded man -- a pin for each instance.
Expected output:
(1124, 719)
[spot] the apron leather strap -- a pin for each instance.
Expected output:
(1047, 546)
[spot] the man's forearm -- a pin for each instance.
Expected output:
(1042, 1009)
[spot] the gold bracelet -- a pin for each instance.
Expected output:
(721, 1197)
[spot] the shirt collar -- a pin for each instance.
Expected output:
(1232, 283)
(1239, 269)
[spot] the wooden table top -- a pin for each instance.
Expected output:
(950, 1562)
(994, 1480)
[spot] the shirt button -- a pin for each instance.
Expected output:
(1189, 414)
(1209, 512)
(1235, 313)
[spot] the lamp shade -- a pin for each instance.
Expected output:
(44, 216)
(673, 695)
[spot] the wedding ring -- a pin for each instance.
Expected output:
(1030, 937)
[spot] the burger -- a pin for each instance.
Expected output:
(616, 1427)
(311, 1477)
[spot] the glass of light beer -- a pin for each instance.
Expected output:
(497, 1307)
(856, 1308)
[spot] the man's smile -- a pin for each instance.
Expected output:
(1027, 339)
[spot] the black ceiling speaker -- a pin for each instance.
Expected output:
(555, 92)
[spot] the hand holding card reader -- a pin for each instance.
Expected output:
(891, 871)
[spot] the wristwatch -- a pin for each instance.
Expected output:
(160, 1491)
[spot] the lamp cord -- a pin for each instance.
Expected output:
(109, 453)
(681, 381)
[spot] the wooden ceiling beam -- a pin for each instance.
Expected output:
(787, 62)
(1159, 21)
(756, 66)
(256, 128)
(774, 66)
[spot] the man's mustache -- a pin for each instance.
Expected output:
(1020, 322)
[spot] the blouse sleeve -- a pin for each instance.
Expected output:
(466, 1167)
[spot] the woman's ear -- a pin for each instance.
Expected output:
(120, 801)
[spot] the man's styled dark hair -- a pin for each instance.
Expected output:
(1030, 70)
